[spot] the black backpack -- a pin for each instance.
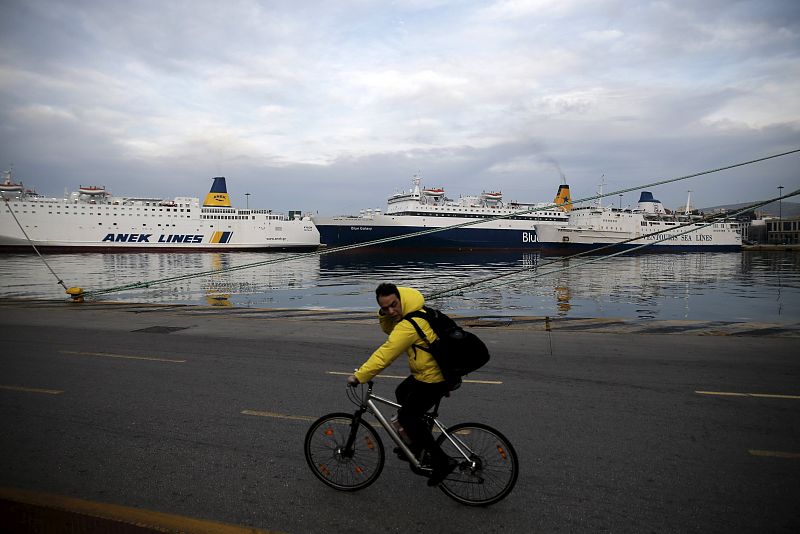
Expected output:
(456, 351)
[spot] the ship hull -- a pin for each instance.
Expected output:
(722, 237)
(48, 248)
(293, 235)
(53, 225)
(477, 237)
(610, 248)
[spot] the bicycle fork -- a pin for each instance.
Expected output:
(348, 450)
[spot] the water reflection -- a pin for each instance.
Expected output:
(754, 286)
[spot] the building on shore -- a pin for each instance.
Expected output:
(774, 231)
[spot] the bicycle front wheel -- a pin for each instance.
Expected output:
(330, 459)
(491, 471)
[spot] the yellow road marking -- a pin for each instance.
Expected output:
(761, 395)
(278, 415)
(120, 356)
(43, 509)
(774, 454)
(32, 390)
(491, 382)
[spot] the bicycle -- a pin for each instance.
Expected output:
(345, 452)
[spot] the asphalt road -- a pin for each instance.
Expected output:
(202, 413)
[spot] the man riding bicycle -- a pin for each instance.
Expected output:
(425, 387)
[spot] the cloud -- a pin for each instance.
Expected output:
(349, 99)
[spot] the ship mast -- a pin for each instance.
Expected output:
(416, 180)
(600, 191)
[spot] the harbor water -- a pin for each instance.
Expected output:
(746, 286)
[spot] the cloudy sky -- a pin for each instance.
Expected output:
(332, 106)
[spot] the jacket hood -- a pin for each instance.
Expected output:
(411, 299)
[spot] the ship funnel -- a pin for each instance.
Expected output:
(563, 200)
(218, 196)
(649, 204)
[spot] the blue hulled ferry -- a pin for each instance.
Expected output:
(420, 209)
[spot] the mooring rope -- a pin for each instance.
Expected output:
(486, 283)
(30, 242)
(323, 251)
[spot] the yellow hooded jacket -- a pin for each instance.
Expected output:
(402, 336)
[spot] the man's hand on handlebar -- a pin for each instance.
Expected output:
(352, 381)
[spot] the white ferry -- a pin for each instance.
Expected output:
(91, 219)
(423, 208)
(596, 226)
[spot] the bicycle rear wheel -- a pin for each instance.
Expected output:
(341, 469)
(493, 468)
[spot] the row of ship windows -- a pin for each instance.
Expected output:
(536, 216)
(116, 208)
(240, 217)
(116, 214)
(715, 225)
(143, 224)
(216, 217)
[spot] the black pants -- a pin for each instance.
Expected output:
(416, 399)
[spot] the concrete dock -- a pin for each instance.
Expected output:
(148, 416)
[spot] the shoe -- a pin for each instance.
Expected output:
(441, 471)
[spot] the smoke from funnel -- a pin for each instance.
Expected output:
(552, 161)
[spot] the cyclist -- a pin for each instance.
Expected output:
(424, 387)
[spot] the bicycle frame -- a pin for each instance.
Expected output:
(369, 403)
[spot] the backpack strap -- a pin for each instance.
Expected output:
(410, 318)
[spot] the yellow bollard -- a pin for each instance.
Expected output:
(76, 293)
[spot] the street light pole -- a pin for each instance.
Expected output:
(780, 213)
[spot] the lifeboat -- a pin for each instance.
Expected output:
(168, 204)
(435, 192)
(10, 187)
(7, 186)
(92, 190)
(492, 197)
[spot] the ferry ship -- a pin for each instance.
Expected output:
(421, 208)
(91, 219)
(597, 226)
